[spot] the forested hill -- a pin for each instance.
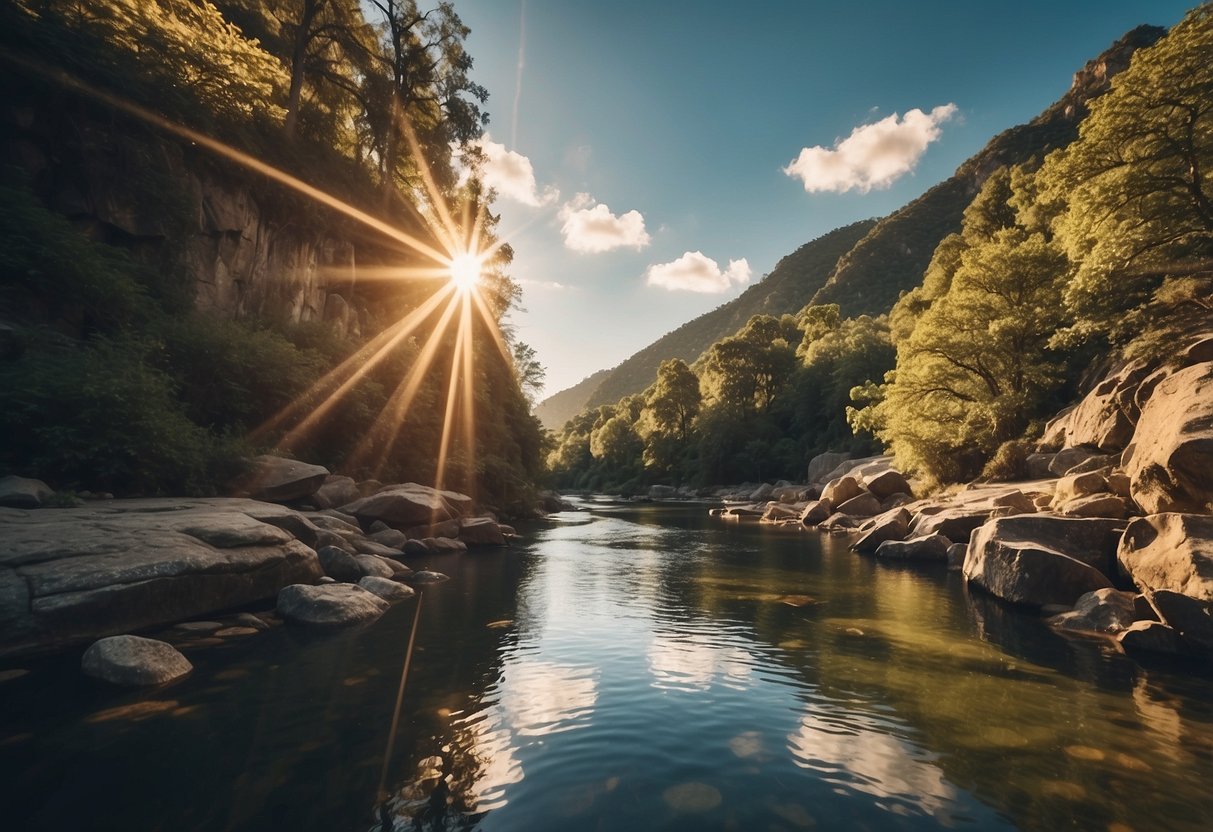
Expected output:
(892, 257)
(789, 286)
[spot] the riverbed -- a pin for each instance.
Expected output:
(632, 667)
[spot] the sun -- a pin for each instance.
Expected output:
(465, 271)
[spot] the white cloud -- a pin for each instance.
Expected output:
(590, 226)
(873, 156)
(511, 174)
(695, 272)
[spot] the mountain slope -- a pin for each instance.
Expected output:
(893, 256)
(558, 408)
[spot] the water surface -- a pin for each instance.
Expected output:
(633, 667)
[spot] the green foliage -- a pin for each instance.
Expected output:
(1010, 462)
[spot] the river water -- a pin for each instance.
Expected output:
(628, 668)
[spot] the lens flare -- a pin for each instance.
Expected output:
(465, 272)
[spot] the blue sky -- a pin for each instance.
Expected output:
(688, 113)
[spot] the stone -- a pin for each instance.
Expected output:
(1119, 484)
(1043, 502)
(662, 492)
(335, 491)
(823, 464)
(1151, 637)
(840, 490)
(368, 487)
(1079, 485)
(1038, 559)
(1067, 458)
(1096, 464)
(1105, 417)
(761, 494)
(778, 512)
(551, 502)
(335, 521)
(324, 579)
(1095, 505)
(198, 626)
(331, 605)
(1039, 465)
(838, 522)
(1015, 500)
(73, 575)
(374, 566)
(932, 547)
(392, 538)
(365, 546)
(247, 619)
(276, 479)
(402, 506)
(895, 500)
(133, 660)
(956, 556)
(1191, 618)
(1053, 438)
(427, 576)
(447, 528)
(1199, 351)
(815, 512)
(414, 548)
(229, 632)
(891, 525)
(23, 492)
(339, 564)
(1170, 552)
(887, 483)
(399, 570)
(389, 591)
(480, 531)
(1169, 469)
(443, 546)
(1102, 611)
(863, 505)
(956, 524)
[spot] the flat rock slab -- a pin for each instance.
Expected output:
(72, 575)
(132, 660)
(329, 605)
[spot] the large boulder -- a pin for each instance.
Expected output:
(887, 483)
(388, 590)
(1172, 457)
(762, 493)
(132, 660)
(1170, 558)
(480, 531)
(339, 564)
(862, 505)
(1151, 637)
(403, 506)
(816, 512)
(329, 605)
(1189, 617)
(841, 489)
(1079, 485)
(1105, 417)
(335, 491)
(956, 524)
(892, 525)
(1068, 458)
(932, 547)
(77, 574)
(1102, 611)
(1036, 559)
(276, 479)
(1095, 505)
(822, 464)
(23, 492)
(1039, 465)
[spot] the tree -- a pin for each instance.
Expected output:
(746, 370)
(672, 402)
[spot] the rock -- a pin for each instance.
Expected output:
(336, 491)
(414, 548)
(368, 487)
(443, 546)
(864, 505)
(823, 464)
(838, 522)
(662, 492)
(402, 506)
(778, 512)
(840, 490)
(336, 521)
(331, 605)
(1151, 637)
(297, 526)
(1105, 417)
(399, 570)
(1101, 611)
(762, 493)
(956, 556)
(1054, 437)
(229, 632)
(480, 531)
(23, 492)
(372, 565)
(887, 483)
(929, 547)
(892, 525)
(790, 494)
(815, 512)
(1170, 552)
(895, 500)
(1067, 458)
(198, 626)
(276, 479)
(1199, 351)
(1015, 500)
(364, 546)
(426, 576)
(956, 524)
(392, 538)
(1172, 454)
(447, 528)
(1119, 484)
(1039, 465)
(1037, 559)
(247, 619)
(132, 660)
(1095, 505)
(1043, 502)
(1189, 617)
(553, 502)
(339, 564)
(389, 591)
(324, 579)
(1098, 464)
(1079, 485)
(76, 574)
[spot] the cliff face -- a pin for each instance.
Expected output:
(237, 249)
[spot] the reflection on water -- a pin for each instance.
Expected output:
(635, 668)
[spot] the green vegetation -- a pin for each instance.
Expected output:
(112, 381)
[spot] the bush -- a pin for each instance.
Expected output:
(1009, 463)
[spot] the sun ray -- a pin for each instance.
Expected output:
(452, 394)
(436, 198)
(494, 331)
(389, 272)
(469, 399)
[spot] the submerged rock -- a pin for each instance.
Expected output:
(1101, 611)
(330, 605)
(133, 660)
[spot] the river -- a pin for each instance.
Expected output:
(633, 667)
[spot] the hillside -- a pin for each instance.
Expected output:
(893, 256)
(558, 408)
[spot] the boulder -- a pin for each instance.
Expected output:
(863, 505)
(1068, 458)
(1095, 505)
(374, 566)
(402, 506)
(1105, 417)
(1054, 437)
(891, 525)
(368, 487)
(392, 538)
(816, 512)
(1016, 500)
(662, 492)
(838, 522)
(933, 547)
(1119, 484)
(443, 545)
(77, 574)
(329, 605)
(1079, 485)
(414, 549)
(790, 494)
(336, 521)
(895, 500)
(956, 524)
(1102, 611)
(1043, 502)
(1170, 552)
(956, 556)
(23, 492)
(276, 479)
(480, 531)
(551, 502)
(762, 493)
(1039, 465)
(779, 512)
(336, 491)
(365, 546)
(1151, 637)
(426, 576)
(339, 564)
(389, 591)
(1199, 351)
(132, 660)
(1189, 617)
(1101, 464)
(840, 490)
(1038, 559)
(823, 464)
(1169, 469)
(447, 528)
(887, 483)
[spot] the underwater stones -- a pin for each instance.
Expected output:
(692, 798)
(133, 660)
